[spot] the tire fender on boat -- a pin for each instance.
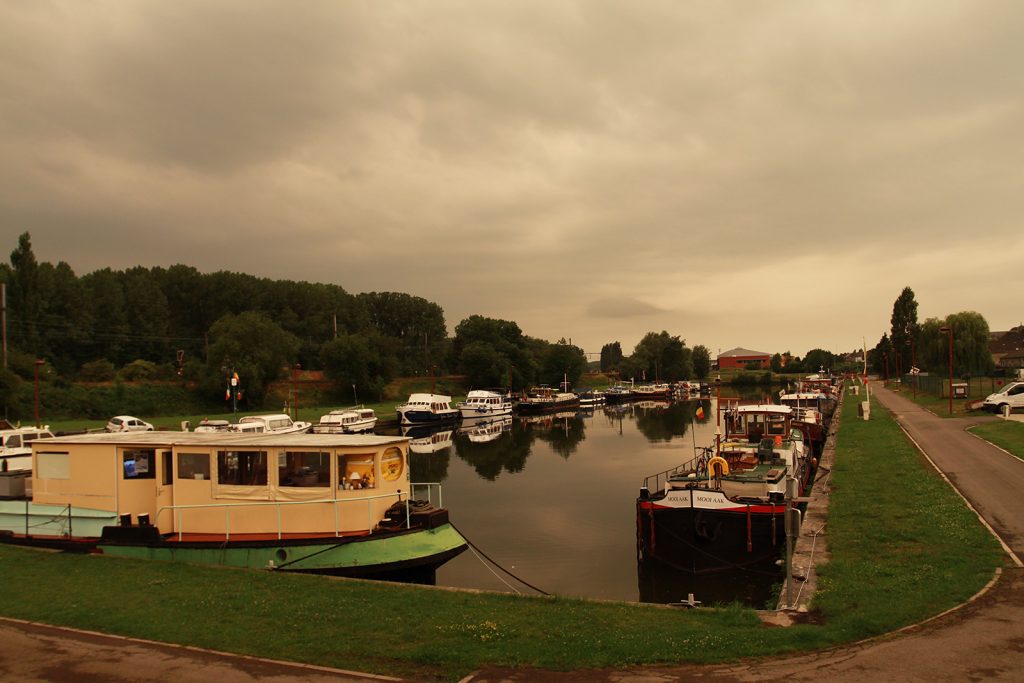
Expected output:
(717, 460)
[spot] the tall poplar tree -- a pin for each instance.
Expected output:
(904, 327)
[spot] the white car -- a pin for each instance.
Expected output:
(127, 423)
(1011, 395)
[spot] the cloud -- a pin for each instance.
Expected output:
(593, 170)
(622, 307)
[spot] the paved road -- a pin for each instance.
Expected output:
(981, 641)
(990, 479)
(33, 652)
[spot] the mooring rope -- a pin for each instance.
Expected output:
(477, 550)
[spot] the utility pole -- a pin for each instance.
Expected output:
(3, 318)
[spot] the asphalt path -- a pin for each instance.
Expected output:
(982, 640)
(989, 478)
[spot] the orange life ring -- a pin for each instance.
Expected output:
(717, 460)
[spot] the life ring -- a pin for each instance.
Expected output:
(717, 460)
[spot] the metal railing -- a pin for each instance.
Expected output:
(278, 505)
(686, 466)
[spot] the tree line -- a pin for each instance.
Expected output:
(177, 324)
(926, 345)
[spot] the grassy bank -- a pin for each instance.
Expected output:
(897, 534)
(1007, 434)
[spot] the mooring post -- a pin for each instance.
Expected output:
(790, 535)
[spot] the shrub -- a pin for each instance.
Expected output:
(101, 370)
(138, 370)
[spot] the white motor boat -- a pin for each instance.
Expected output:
(486, 403)
(353, 420)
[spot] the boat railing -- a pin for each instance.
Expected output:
(431, 486)
(279, 504)
(660, 480)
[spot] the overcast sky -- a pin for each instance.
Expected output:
(760, 174)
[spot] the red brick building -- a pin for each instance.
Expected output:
(744, 359)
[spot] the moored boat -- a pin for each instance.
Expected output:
(355, 420)
(269, 424)
(207, 425)
(651, 391)
(544, 399)
(726, 507)
(486, 403)
(618, 393)
(320, 503)
(16, 445)
(427, 409)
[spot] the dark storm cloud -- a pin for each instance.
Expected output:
(591, 169)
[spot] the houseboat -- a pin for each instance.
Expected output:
(486, 403)
(726, 507)
(355, 420)
(322, 503)
(427, 409)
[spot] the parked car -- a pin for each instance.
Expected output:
(1011, 395)
(127, 423)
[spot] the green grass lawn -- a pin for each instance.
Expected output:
(897, 535)
(1007, 434)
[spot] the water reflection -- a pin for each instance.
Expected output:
(552, 498)
(753, 586)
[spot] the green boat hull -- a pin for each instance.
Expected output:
(378, 554)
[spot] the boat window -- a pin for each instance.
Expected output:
(356, 471)
(139, 463)
(776, 425)
(392, 463)
(13, 441)
(53, 465)
(303, 468)
(242, 468)
(193, 466)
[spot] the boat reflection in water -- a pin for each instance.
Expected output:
(485, 429)
(753, 586)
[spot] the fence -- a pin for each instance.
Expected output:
(977, 387)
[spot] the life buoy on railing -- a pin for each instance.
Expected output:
(717, 460)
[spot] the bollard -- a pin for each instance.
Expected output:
(865, 408)
(1006, 410)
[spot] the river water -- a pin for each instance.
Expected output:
(553, 500)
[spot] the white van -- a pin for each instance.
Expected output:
(1011, 395)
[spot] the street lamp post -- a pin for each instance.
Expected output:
(948, 329)
(38, 363)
